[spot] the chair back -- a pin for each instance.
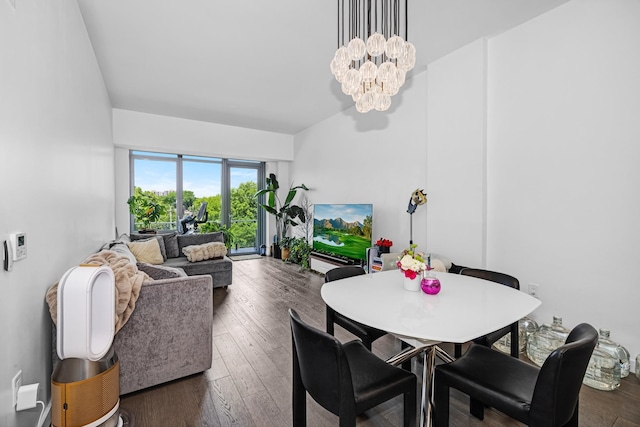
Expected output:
(321, 363)
(343, 273)
(493, 276)
(558, 386)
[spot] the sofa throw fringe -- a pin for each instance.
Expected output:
(128, 283)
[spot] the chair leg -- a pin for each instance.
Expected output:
(329, 319)
(440, 403)
(299, 395)
(457, 350)
(410, 407)
(476, 408)
(406, 365)
(515, 340)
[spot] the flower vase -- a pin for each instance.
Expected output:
(412, 285)
(430, 284)
(383, 250)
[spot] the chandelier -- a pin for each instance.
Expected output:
(372, 59)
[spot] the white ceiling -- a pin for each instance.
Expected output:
(260, 64)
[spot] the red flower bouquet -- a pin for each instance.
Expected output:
(384, 243)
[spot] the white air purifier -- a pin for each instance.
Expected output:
(85, 384)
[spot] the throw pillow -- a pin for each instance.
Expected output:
(210, 250)
(159, 272)
(185, 240)
(145, 237)
(147, 251)
(122, 249)
(171, 244)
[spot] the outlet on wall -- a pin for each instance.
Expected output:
(16, 382)
(534, 290)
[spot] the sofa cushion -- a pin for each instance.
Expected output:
(120, 246)
(185, 240)
(147, 251)
(211, 250)
(159, 272)
(213, 267)
(158, 237)
(171, 244)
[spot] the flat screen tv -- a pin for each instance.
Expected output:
(343, 231)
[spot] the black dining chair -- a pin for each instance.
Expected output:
(346, 379)
(366, 333)
(489, 339)
(537, 397)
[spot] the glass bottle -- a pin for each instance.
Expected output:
(526, 327)
(603, 371)
(546, 339)
(607, 344)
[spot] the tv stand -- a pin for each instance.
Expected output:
(322, 262)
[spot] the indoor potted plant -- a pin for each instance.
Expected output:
(285, 246)
(227, 233)
(286, 213)
(145, 209)
(299, 252)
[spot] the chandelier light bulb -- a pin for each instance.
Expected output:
(338, 70)
(351, 81)
(407, 60)
(383, 102)
(395, 47)
(390, 88)
(386, 71)
(342, 57)
(356, 49)
(376, 44)
(369, 71)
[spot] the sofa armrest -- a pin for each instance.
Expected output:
(169, 335)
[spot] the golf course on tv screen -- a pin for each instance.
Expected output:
(342, 230)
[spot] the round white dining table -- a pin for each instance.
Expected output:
(465, 308)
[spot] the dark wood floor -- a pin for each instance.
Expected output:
(250, 381)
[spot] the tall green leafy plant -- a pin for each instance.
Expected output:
(286, 214)
(145, 208)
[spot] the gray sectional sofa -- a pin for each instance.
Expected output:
(220, 270)
(170, 332)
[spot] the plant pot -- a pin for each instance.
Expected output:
(285, 253)
(276, 252)
(146, 231)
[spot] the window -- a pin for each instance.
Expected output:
(183, 183)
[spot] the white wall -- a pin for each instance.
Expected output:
(563, 181)
(456, 155)
(552, 108)
(57, 171)
(133, 130)
(377, 158)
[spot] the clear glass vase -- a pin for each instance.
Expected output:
(603, 371)
(526, 327)
(546, 339)
(607, 344)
